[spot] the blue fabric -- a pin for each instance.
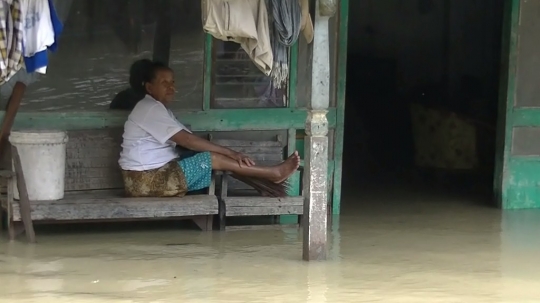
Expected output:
(41, 59)
(58, 27)
(197, 170)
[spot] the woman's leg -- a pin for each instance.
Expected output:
(277, 173)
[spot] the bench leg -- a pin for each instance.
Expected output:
(221, 201)
(205, 223)
(222, 214)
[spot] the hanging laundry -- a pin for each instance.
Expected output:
(11, 27)
(306, 25)
(244, 22)
(42, 27)
(289, 18)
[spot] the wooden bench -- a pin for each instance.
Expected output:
(94, 190)
(238, 199)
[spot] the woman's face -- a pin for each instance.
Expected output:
(162, 87)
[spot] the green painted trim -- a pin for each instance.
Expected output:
(340, 111)
(522, 190)
(208, 75)
(294, 180)
(506, 122)
(525, 117)
(293, 76)
(211, 120)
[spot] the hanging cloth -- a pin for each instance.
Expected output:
(41, 30)
(244, 22)
(307, 24)
(11, 51)
(287, 21)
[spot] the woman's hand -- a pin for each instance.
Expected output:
(242, 159)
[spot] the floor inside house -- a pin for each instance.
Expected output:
(389, 245)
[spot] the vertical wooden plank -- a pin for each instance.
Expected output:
(315, 242)
(506, 99)
(293, 76)
(24, 201)
(162, 33)
(208, 76)
(341, 93)
(294, 179)
(12, 108)
(135, 10)
(224, 188)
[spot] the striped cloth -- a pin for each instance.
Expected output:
(11, 48)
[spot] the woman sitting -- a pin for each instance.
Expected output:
(149, 158)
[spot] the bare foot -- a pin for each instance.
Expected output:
(288, 167)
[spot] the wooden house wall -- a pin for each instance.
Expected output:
(95, 54)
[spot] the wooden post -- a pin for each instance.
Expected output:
(12, 108)
(24, 201)
(162, 34)
(316, 144)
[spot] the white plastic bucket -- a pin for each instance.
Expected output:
(43, 160)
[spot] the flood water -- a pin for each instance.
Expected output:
(388, 246)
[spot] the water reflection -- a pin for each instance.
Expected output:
(100, 41)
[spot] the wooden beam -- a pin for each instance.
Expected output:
(341, 77)
(293, 76)
(11, 112)
(135, 12)
(162, 33)
(209, 59)
(24, 200)
(315, 217)
(212, 120)
(509, 116)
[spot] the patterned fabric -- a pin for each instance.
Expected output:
(198, 170)
(11, 46)
(166, 181)
(442, 139)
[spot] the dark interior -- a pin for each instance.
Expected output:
(441, 54)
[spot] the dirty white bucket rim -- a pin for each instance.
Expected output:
(42, 136)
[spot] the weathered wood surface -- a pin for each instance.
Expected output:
(6, 174)
(92, 159)
(24, 202)
(264, 153)
(263, 206)
(315, 184)
(111, 204)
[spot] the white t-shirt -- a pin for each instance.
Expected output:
(146, 143)
(38, 31)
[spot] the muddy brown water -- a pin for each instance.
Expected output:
(388, 246)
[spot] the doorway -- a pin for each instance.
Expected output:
(422, 97)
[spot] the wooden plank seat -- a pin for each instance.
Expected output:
(112, 204)
(238, 199)
(94, 190)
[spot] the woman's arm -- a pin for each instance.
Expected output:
(190, 141)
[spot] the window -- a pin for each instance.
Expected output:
(238, 83)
